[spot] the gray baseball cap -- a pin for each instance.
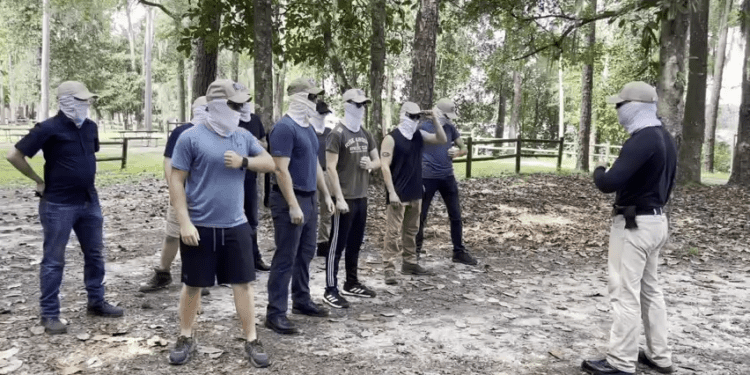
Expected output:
(410, 108)
(356, 95)
(303, 85)
(447, 106)
(76, 89)
(226, 89)
(636, 91)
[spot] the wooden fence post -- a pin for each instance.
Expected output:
(469, 152)
(124, 153)
(518, 155)
(560, 153)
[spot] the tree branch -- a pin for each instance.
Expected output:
(162, 7)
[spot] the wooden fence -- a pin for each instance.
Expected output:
(519, 151)
(123, 158)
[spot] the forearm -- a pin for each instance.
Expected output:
(167, 165)
(262, 163)
(388, 178)
(440, 133)
(322, 186)
(284, 180)
(333, 175)
(19, 162)
(179, 199)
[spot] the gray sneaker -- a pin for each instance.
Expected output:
(160, 280)
(415, 269)
(182, 351)
(256, 354)
(53, 326)
(390, 277)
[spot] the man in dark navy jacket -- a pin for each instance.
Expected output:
(69, 200)
(643, 177)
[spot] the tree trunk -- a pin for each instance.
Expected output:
(235, 66)
(713, 106)
(44, 104)
(2, 99)
(131, 34)
(515, 112)
(670, 87)
(390, 88)
(423, 59)
(206, 57)
(587, 83)
(181, 88)
(263, 62)
(336, 65)
(500, 125)
(377, 64)
(561, 100)
(741, 160)
(11, 92)
(694, 122)
(280, 85)
(148, 95)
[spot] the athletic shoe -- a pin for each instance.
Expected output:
(53, 326)
(390, 278)
(645, 360)
(105, 310)
(335, 300)
(205, 292)
(415, 269)
(601, 367)
(260, 265)
(160, 280)
(358, 290)
(311, 309)
(183, 350)
(465, 258)
(256, 354)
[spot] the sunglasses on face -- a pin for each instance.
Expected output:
(620, 104)
(89, 101)
(359, 105)
(414, 117)
(235, 106)
(312, 97)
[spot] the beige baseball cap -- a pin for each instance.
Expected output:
(303, 85)
(410, 108)
(636, 91)
(447, 106)
(226, 89)
(356, 95)
(199, 102)
(77, 89)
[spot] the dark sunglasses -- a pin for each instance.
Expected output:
(414, 117)
(620, 104)
(359, 105)
(235, 106)
(312, 97)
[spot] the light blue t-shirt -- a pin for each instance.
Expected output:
(436, 163)
(300, 145)
(214, 192)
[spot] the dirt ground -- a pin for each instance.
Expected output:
(536, 304)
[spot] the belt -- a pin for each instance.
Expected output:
(630, 212)
(302, 193)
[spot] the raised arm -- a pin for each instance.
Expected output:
(386, 157)
(439, 137)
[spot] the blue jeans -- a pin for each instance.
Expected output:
(448, 188)
(295, 248)
(57, 221)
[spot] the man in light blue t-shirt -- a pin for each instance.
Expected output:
(207, 190)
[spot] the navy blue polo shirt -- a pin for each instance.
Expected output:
(300, 145)
(255, 127)
(172, 140)
(69, 160)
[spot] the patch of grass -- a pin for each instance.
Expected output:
(506, 167)
(694, 251)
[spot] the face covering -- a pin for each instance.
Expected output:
(200, 115)
(407, 126)
(318, 122)
(353, 116)
(440, 115)
(246, 113)
(222, 119)
(634, 116)
(76, 110)
(301, 109)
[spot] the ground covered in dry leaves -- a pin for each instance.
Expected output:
(536, 304)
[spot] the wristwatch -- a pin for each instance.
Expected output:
(244, 163)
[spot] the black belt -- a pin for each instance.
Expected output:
(302, 193)
(630, 212)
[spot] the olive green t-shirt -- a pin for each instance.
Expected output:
(351, 147)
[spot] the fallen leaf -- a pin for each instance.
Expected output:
(9, 353)
(556, 353)
(10, 366)
(70, 370)
(388, 314)
(37, 330)
(83, 336)
(460, 324)
(366, 333)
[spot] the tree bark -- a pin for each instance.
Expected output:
(424, 53)
(206, 57)
(235, 66)
(181, 87)
(263, 62)
(280, 85)
(741, 160)
(336, 65)
(713, 106)
(515, 112)
(148, 95)
(2, 99)
(670, 87)
(11, 92)
(377, 64)
(587, 83)
(44, 104)
(694, 122)
(500, 125)
(131, 34)
(561, 100)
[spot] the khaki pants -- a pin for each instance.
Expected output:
(401, 221)
(324, 219)
(634, 292)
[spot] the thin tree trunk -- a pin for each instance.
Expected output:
(131, 34)
(587, 83)
(741, 160)
(377, 64)
(44, 104)
(670, 87)
(148, 95)
(424, 54)
(236, 66)
(2, 99)
(694, 123)
(500, 124)
(11, 91)
(206, 57)
(391, 87)
(561, 100)
(181, 88)
(515, 112)
(263, 62)
(713, 106)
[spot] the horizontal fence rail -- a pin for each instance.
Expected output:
(123, 158)
(519, 151)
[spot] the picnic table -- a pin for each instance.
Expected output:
(14, 132)
(145, 135)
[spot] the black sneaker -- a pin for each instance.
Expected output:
(53, 326)
(105, 310)
(358, 290)
(205, 292)
(260, 265)
(160, 280)
(465, 258)
(645, 360)
(335, 300)
(312, 309)
(256, 354)
(323, 248)
(182, 351)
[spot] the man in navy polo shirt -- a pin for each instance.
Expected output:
(294, 147)
(68, 200)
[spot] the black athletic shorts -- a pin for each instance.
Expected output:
(223, 255)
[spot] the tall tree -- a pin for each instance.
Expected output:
(206, 56)
(148, 93)
(423, 58)
(500, 124)
(694, 123)
(587, 91)
(131, 35)
(670, 86)
(263, 62)
(515, 112)
(44, 104)
(713, 106)
(741, 162)
(377, 64)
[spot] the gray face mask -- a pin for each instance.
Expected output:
(634, 116)
(76, 110)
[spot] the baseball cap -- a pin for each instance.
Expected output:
(303, 85)
(636, 91)
(226, 89)
(356, 95)
(199, 102)
(448, 107)
(410, 108)
(76, 89)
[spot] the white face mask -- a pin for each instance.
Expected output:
(301, 109)
(440, 115)
(353, 116)
(76, 110)
(246, 113)
(407, 126)
(318, 122)
(222, 119)
(634, 116)
(200, 115)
